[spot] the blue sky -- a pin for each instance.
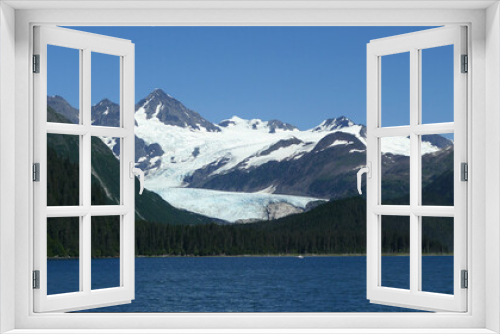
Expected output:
(300, 75)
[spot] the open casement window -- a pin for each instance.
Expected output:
(75, 206)
(415, 213)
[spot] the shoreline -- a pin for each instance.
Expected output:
(249, 255)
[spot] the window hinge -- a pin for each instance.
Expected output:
(36, 279)
(465, 64)
(465, 279)
(36, 63)
(464, 171)
(36, 172)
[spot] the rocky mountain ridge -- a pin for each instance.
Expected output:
(177, 147)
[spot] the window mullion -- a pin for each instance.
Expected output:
(85, 236)
(86, 161)
(417, 118)
(85, 274)
(414, 172)
(81, 249)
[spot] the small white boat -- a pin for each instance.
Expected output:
(300, 257)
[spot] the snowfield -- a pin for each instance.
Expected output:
(239, 144)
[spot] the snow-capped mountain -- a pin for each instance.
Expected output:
(256, 124)
(106, 113)
(255, 155)
(163, 107)
(334, 124)
(178, 148)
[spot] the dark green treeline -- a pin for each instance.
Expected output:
(337, 227)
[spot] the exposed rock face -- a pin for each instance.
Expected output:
(334, 124)
(280, 144)
(437, 140)
(106, 113)
(279, 210)
(172, 112)
(276, 124)
(62, 107)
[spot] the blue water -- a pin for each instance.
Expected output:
(253, 284)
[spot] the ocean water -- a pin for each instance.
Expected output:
(253, 284)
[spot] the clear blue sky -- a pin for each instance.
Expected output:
(300, 75)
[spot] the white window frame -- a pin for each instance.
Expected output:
(482, 19)
(85, 44)
(414, 43)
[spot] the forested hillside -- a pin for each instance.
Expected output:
(337, 227)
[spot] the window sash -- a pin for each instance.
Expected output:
(414, 297)
(86, 298)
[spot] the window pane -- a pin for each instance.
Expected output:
(105, 90)
(105, 252)
(395, 251)
(63, 85)
(63, 170)
(105, 171)
(437, 84)
(395, 90)
(437, 255)
(437, 170)
(395, 170)
(63, 248)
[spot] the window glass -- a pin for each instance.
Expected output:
(63, 85)
(437, 169)
(437, 84)
(106, 188)
(105, 90)
(395, 90)
(395, 251)
(105, 252)
(437, 254)
(63, 170)
(63, 250)
(395, 170)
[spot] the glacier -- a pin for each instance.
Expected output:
(228, 206)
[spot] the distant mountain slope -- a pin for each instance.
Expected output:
(59, 104)
(63, 156)
(324, 172)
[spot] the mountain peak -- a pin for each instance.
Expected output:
(106, 113)
(334, 124)
(106, 102)
(170, 111)
(56, 97)
(277, 124)
(158, 92)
